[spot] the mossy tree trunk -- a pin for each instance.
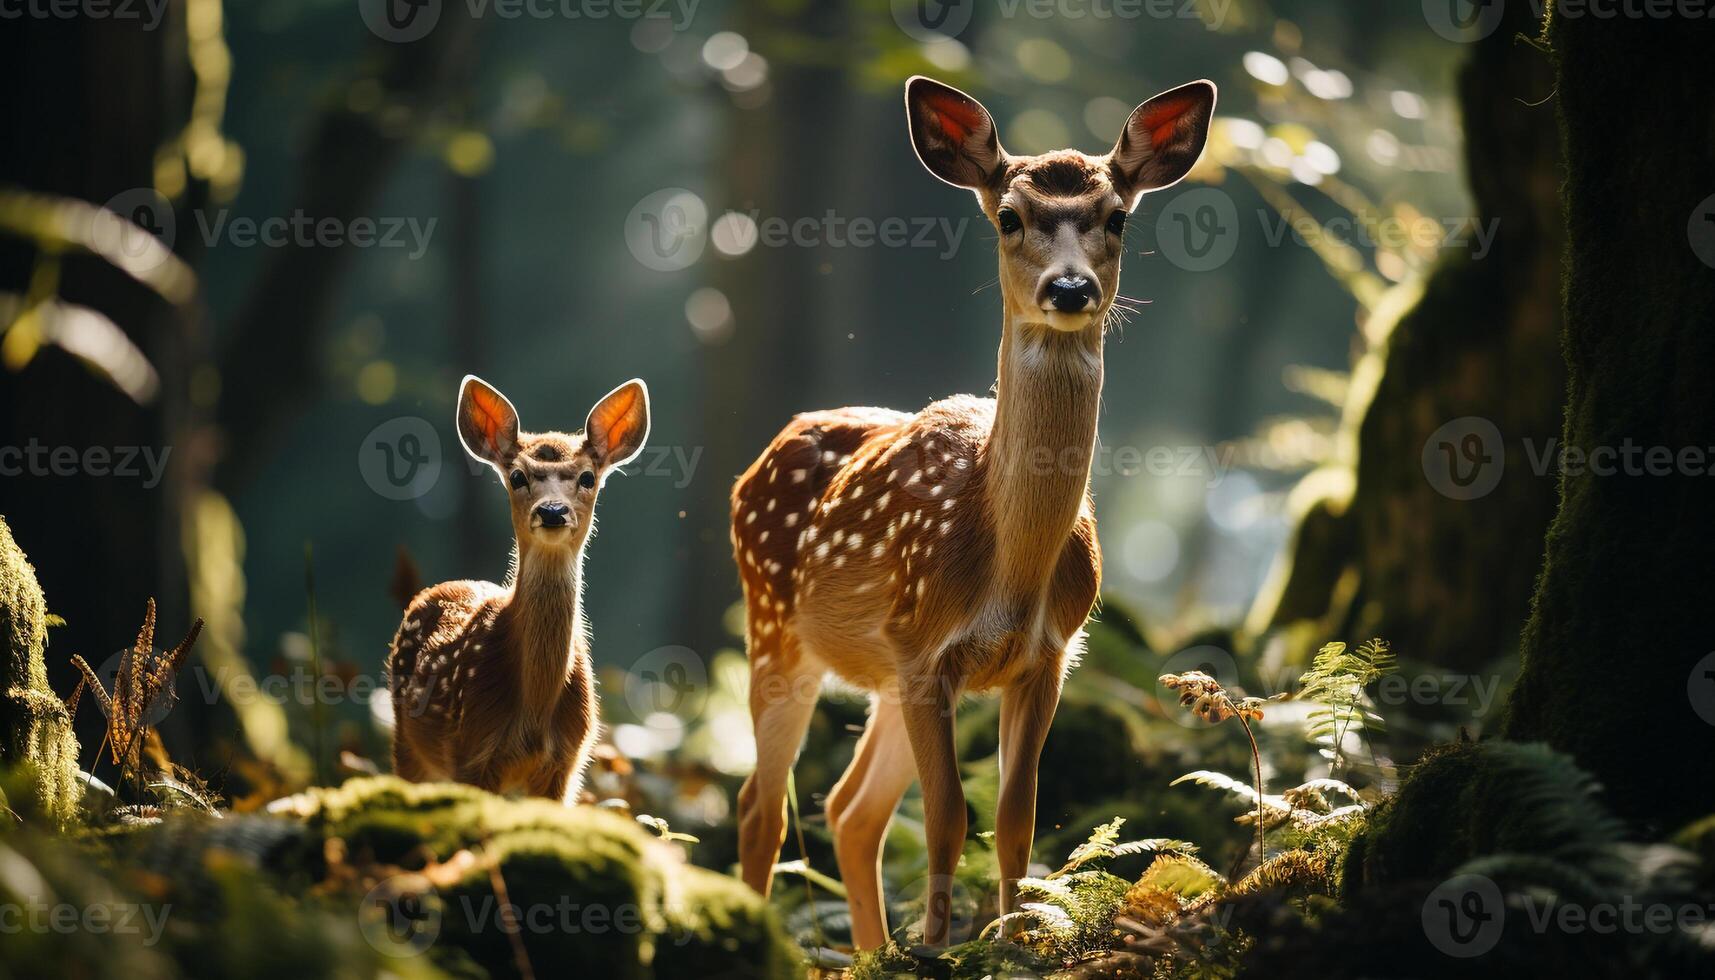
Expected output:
(1447, 579)
(35, 727)
(1622, 619)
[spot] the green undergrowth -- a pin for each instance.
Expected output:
(383, 877)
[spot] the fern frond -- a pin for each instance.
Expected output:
(1153, 844)
(1226, 783)
(1100, 845)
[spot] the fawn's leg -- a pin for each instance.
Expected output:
(861, 807)
(550, 778)
(1026, 709)
(482, 774)
(405, 762)
(927, 702)
(782, 701)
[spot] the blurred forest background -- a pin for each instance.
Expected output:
(519, 149)
(1349, 311)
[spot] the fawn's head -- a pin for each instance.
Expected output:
(1061, 215)
(551, 477)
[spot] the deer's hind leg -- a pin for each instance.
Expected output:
(783, 692)
(859, 810)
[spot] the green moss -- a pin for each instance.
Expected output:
(35, 728)
(717, 928)
(192, 897)
(588, 886)
(1475, 800)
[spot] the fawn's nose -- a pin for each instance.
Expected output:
(1071, 293)
(552, 514)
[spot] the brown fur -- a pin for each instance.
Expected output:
(923, 556)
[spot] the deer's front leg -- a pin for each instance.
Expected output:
(927, 702)
(1026, 710)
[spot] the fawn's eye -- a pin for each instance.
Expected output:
(586, 479)
(1116, 222)
(517, 480)
(1009, 221)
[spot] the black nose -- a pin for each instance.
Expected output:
(1072, 294)
(552, 515)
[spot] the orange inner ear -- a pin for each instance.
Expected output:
(609, 422)
(953, 115)
(489, 413)
(1163, 120)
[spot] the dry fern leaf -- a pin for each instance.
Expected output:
(1287, 870)
(144, 676)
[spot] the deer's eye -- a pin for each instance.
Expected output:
(586, 479)
(1009, 221)
(1116, 222)
(517, 480)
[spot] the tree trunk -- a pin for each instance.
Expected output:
(1619, 640)
(87, 103)
(1439, 559)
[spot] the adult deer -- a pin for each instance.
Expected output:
(922, 556)
(492, 684)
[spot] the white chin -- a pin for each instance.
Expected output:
(1066, 322)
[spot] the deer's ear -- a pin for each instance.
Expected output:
(619, 424)
(1162, 140)
(488, 424)
(952, 133)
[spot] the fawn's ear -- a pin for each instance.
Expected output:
(1162, 140)
(619, 424)
(952, 133)
(488, 424)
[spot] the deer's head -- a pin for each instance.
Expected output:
(1061, 215)
(552, 478)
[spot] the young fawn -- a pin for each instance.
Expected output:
(492, 684)
(923, 556)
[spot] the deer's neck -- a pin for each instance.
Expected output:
(1048, 395)
(544, 619)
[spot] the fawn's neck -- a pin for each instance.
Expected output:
(544, 619)
(1047, 396)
